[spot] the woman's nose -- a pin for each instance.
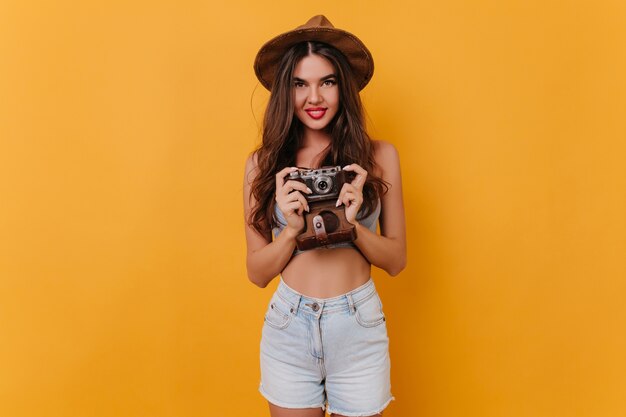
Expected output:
(314, 96)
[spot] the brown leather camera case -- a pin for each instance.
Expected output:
(325, 224)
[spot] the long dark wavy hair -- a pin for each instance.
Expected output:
(283, 132)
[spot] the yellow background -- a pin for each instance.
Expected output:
(124, 127)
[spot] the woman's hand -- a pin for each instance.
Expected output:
(290, 200)
(351, 194)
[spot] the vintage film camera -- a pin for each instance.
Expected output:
(324, 224)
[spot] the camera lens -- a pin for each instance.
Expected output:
(323, 184)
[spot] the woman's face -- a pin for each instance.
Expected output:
(316, 93)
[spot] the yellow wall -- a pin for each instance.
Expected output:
(124, 127)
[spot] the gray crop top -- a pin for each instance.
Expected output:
(369, 222)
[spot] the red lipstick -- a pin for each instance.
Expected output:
(316, 112)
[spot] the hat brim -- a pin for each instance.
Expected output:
(270, 54)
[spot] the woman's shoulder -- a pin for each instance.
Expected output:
(251, 166)
(252, 160)
(382, 146)
(385, 154)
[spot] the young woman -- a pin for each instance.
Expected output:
(324, 342)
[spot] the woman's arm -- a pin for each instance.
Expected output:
(387, 250)
(266, 259)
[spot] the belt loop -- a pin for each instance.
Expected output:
(351, 303)
(296, 305)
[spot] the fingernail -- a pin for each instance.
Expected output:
(338, 203)
(308, 190)
(346, 166)
(307, 209)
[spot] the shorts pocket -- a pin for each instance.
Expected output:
(370, 312)
(278, 314)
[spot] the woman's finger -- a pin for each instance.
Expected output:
(293, 207)
(292, 185)
(361, 175)
(349, 198)
(347, 188)
(356, 168)
(294, 196)
(280, 176)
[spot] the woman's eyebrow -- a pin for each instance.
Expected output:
(321, 79)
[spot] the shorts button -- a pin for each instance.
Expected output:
(315, 306)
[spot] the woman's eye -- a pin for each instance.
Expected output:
(330, 82)
(298, 84)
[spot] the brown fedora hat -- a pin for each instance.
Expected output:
(318, 28)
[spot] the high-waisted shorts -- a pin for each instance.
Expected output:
(331, 353)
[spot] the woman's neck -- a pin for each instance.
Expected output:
(315, 139)
(312, 148)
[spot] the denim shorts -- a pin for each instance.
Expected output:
(331, 353)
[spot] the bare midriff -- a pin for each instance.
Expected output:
(324, 273)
